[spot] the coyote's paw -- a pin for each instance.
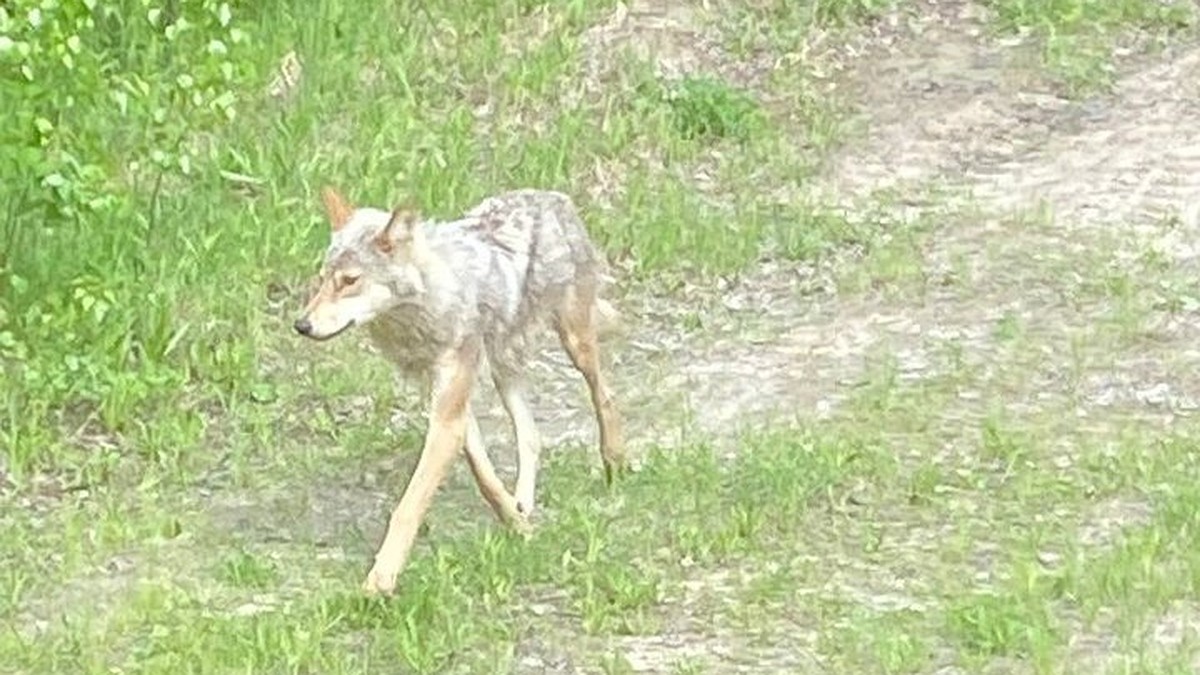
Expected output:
(525, 501)
(380, 581)
(615, 471)
(520, 525)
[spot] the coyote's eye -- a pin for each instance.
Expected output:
(345, 280)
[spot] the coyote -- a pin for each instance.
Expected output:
(440, 299)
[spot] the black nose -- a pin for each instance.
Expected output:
(303, 326)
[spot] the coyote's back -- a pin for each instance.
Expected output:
(517, 257)
(539, 242)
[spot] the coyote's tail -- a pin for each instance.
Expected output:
(608, 319)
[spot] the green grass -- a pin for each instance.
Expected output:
(184, 487)
(156, 194)
(725, 541)
(1078, 36)
(461, 601)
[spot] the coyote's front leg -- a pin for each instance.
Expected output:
(453, 378)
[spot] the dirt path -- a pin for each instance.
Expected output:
(944, 105)
(941, 105)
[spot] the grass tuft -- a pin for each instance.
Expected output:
(704, 107)
(1078, 36)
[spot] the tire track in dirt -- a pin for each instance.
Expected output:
(1120, 174)
(945, 105)
(1129, 166)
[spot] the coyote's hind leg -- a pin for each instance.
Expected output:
(576, 325)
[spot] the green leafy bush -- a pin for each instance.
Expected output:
(111, 111)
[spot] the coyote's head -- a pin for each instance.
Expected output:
(373, 264)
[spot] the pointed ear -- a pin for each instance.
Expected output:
(336, 207)
(400, 229)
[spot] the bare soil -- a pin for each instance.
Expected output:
(942, 104)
